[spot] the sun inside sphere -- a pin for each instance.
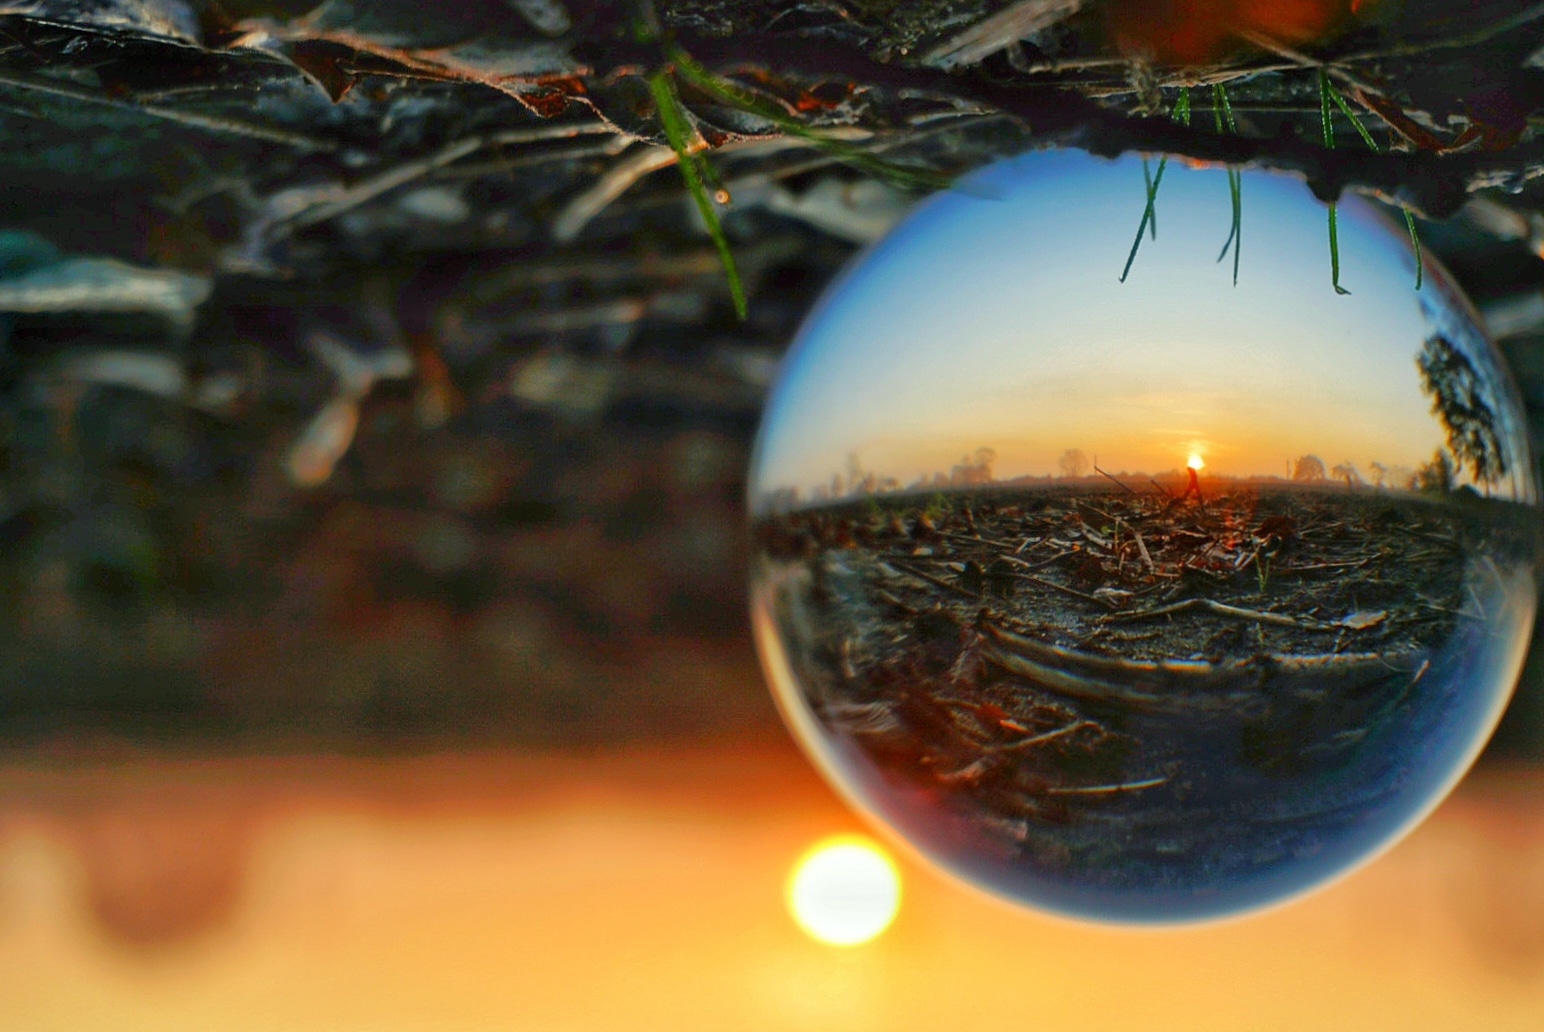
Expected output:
(1005, 616)
(844, 891)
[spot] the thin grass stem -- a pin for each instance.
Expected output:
(1335, 253)
(697, 175)
(1356, 123)
(1220, 94)
(736, 96)
(1326, 86)
(1415, 242)
(1236, 188)
(1326, 92)
(1147, 216)
(1149, 211)
(1222, 116)
(1147, 184)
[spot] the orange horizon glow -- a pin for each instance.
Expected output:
(601, 890)
(1243, 455)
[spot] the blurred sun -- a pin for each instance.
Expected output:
(844, 891)
(1195, 463)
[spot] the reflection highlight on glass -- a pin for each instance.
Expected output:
(1145, 602)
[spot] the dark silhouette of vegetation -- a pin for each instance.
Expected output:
(1347, 471)
(1437, 476)
(1073, 463)
(1460, 399)
(1309, 469)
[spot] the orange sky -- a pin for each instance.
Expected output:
(644, 891)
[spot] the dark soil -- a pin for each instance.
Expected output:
(1156, 577)
(1138, 693)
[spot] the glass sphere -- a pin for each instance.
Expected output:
(1146, 601)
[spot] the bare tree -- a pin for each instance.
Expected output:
(1347, 471)
(1309, 469)
(1073, 463)
(1379, 472)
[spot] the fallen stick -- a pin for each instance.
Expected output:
(973, 540)
(1135, 533)
(937, 582)
(1102, 473)
(1074, 592)
(1129, 786)
(1349, 564)
(1047, 736)
(1183, 684)
(1221, 609)
(890, 600)
(1016, 561)
(1142, 547)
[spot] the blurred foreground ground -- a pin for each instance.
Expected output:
(380, 464)
(642, 889)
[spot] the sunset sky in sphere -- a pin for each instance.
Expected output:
(993, 317)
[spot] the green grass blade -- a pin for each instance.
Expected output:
(1335, 254)
(1233, 229)
(1220, 94)
(1325, 104)
(1236, 235)
(1415, 242)
(1149, 223)
(1356, 123)
(1147, 216)
(1147, 184)
(1222, 116)
(694, 170)
(1325, 89)
(726, 92)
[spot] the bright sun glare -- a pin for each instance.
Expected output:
(844, 891)
(1195, 463)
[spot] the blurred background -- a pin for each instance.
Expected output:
(373, 423)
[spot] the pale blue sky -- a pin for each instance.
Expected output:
(993, 317)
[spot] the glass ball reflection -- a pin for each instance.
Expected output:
(1145, 602)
